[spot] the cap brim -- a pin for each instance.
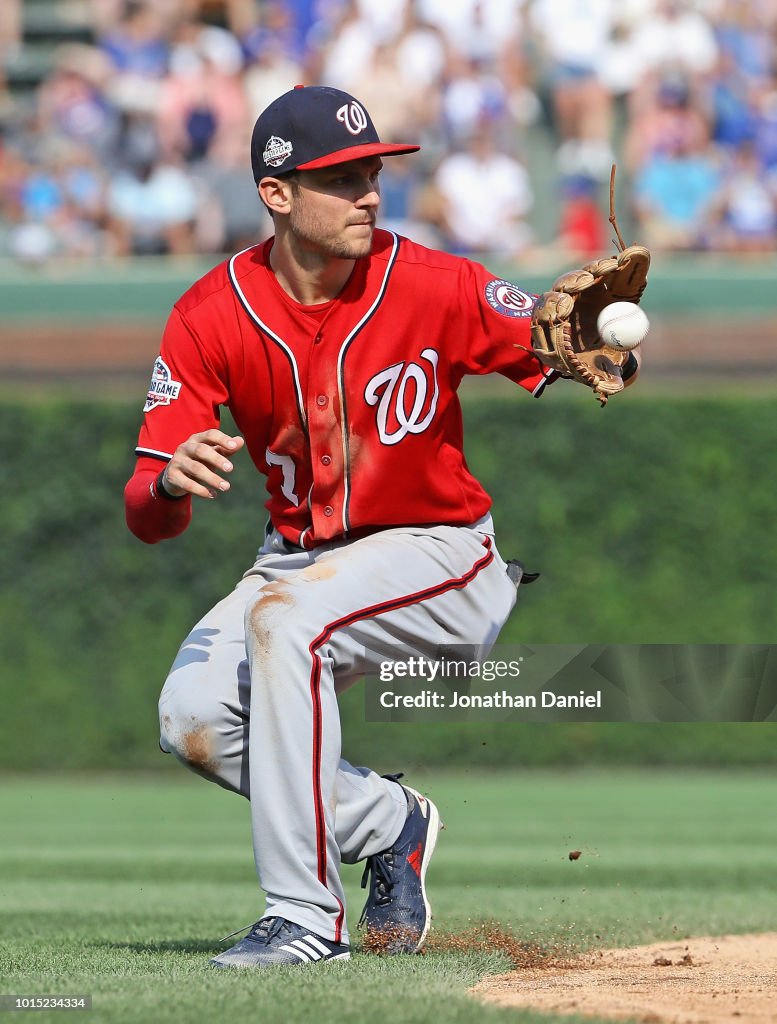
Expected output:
(357, 153)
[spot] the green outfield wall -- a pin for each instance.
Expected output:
(652, 521)
(145, 289)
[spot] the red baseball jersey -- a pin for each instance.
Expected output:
(349, 408)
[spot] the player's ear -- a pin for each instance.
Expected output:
(276, 193)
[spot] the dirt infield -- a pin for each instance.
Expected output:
(731, 979)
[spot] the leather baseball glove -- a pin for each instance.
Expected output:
(564, 332)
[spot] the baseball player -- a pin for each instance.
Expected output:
(338, 348)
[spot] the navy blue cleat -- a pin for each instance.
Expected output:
(397, 915)
(274, 941)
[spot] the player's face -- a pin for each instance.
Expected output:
(333, 209)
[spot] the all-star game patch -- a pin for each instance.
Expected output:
(508, 300)
(163, 389)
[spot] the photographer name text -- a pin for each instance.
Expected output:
(433, 699)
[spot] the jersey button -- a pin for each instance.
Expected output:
(322, 401)
(328, 511)
(326, 460)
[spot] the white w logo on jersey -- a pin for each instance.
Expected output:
(353, 116)
(388, 390)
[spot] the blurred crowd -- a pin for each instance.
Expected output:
(137, 141)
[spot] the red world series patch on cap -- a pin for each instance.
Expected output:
(162, 389)
(508, 300)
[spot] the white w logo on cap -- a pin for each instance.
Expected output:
(353, 116)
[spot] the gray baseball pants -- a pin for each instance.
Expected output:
(251, 699)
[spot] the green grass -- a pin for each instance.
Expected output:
(120, 888)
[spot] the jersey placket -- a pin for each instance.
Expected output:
(315, 352)
(324, 414)
(327, 398)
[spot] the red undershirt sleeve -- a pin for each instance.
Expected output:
(152, 516)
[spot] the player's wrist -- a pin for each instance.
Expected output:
(163, 492)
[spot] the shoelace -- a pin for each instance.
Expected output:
(268, 928)
(237, 931)
(380, 867)
(263, 930)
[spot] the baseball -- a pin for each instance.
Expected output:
(622, 325)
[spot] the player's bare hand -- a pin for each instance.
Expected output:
(196, 465)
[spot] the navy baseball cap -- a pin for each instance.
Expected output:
(314, 126)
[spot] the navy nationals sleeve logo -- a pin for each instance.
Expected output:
(508, 300)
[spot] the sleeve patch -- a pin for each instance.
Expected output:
(508, 300)
(163, 389)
